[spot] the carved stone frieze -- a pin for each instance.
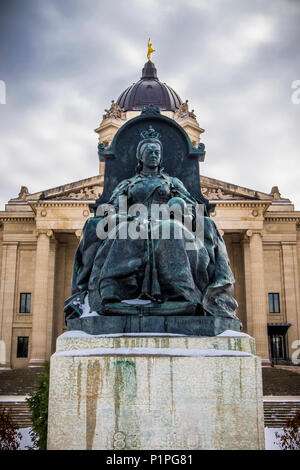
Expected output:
(83, 193)
(213, 193)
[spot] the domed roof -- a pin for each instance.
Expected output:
(149, 90)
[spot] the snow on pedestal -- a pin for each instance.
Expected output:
(142, 391)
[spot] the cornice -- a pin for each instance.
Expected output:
(60, 203)
(240, 203)
(16, 218)
(109, 122)
(282, 217)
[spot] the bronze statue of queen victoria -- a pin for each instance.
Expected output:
(147, 281)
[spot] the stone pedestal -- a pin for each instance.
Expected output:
(147, 391)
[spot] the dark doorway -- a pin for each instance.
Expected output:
(278, 342)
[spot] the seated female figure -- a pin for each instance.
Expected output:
(193, 267)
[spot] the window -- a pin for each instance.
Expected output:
(22, 349)
(25, 301)
(274, 305)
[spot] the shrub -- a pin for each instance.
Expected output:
(38, 404)
(9, 435)
(290, 439)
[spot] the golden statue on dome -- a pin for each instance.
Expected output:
(150, 50)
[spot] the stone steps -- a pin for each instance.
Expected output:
(277, 413)
(20, 413)
(281, 381)
(19, 381)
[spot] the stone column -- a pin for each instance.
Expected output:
(43, 274)
(291, 290)
(248, 288)
(51, 280)
(239, 286)
(7, 299)
(258, 294)
(60, 297)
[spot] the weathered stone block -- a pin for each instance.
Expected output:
(155, 392)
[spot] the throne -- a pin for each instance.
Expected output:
(180, 159)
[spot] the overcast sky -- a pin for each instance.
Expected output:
(63, 61)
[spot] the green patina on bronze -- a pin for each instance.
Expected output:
(189, 291)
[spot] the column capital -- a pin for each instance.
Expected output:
(249, 233)
(48, 232)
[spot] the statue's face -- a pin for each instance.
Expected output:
(151, 156)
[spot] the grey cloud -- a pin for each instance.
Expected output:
(63, 62)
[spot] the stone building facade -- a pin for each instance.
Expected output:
(39, 234)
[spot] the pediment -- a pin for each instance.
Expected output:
(86, 189)
(90, 189)
(214, 189)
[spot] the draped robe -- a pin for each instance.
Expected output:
(116, 269)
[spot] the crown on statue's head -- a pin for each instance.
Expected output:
(150, 134)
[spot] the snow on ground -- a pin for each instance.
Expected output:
(280, 398)
(271, 440)
(26, 439)
(13, 398)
